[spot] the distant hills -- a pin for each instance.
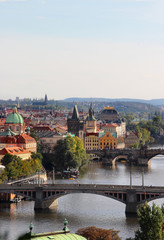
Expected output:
(155, 102)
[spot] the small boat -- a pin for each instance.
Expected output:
(123, 161)
(15, 200)
(71, 178)
(74, 176)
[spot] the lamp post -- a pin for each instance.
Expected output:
(142, 177)
(53, 175)
(130, 176)
(39, 178)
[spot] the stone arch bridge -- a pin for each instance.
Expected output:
(46, 196)
(140, 157)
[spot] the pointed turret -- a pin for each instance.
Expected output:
(91, 121)
(75, 124)
(75, 114)
(91, 114)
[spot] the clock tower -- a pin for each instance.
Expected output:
(91, 121)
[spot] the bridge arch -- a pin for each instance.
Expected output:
(120, 157)
(121, 197)
(155, 155)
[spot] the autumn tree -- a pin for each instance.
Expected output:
(94, 233)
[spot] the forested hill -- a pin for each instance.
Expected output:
(156, 102)
(135, 107)
(125, 107)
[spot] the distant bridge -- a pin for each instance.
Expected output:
(140, 157)
(46, 196)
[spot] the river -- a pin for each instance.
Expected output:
(82, 210)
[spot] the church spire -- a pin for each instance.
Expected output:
(91, 111)
(75, 114)
(46, 99)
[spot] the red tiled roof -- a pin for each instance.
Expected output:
(109, 125)
(92, 134)
(24, 138)
(42, 128)
(13, 151)
(7, 139)
(2, 121)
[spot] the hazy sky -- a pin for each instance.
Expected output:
(82, 48)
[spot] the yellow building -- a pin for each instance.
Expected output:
(92, 141)
(107, 141)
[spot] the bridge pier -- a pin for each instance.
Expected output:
(131, 202)
(142, 162)
(41, 203)
(107, 162)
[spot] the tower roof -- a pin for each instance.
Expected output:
(75, 114)
(91, 114)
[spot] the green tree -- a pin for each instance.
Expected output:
(15, 167)
(153, 126)
(8, 158)
(69, 152)
(37, 155)
(3, 176)
(150, 221)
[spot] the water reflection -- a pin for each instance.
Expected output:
(83, 210)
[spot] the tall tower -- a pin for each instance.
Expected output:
(75, 125)
(91, 121)
(46, 100)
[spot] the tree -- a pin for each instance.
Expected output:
(94, 233)
(153, 126)
(150, 221)
(8, 158)
(3, 176)
(69, 152)
(15, 167)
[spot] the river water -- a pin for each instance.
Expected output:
(82, 210)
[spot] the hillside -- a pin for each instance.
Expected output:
(124, 107)
(156, 102)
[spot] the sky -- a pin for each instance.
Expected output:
(81, 48)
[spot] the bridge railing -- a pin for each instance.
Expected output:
(22, 179)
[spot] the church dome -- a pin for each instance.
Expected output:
(109, 110)
(14, 118)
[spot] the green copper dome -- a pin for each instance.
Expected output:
(14, 117)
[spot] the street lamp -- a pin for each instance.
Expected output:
(130, 176)
(53, 175)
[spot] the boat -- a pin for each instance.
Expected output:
(15, 200)
(71, 178)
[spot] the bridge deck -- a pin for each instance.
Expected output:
(97, 187)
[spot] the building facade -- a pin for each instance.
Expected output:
(107, 141)
(92, 141)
